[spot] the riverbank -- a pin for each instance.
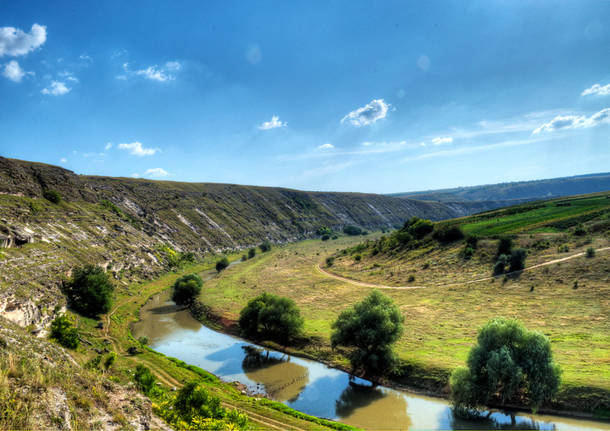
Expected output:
(441, 323)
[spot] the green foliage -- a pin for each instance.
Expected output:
(590, 253)
(505, 245)
(89, 291)
(52, 196)
(35, 208)
(251, 253)
(418, 227)
(580, 230)
(468, 252)
(63, 330)
(272, 317)
(325, 237)
(330, 261)
(244, 257)
(517, 259)
(324, 230)
(446, 234)
(352, 230)
(371, 326)
(500, 265)
(145, 379)
(143, 340)
(265, 246)
(105, 203)
(223, 263)
(186, 289)
(508, 364)
(110, 360)
(472, 241)
(358, 257)
(172, 258)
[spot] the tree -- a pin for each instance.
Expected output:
(447, 234)
(517, 259)
(89, 291)
(186, 289)
(330, 261)
(590, 252)
(222, 264)
(265, 246)
(505, 245)
(271, 316)
(145, 380)
(500, 265)
(352, 230)
(64, 332)
(509, 363)
(251, 253)
(371, 326)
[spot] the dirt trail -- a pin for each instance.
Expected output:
(382, 286)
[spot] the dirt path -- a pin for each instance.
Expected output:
(382, 286)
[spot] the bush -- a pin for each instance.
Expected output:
(505, 245)
(472, 241)
(364, 233)
(590, 252)
(265, 246)
(194, 400)
(52, 196)
(270, 316)
(251, 253)
(468, 252)
(411, 279)
(244, 257)
(508, 364)
(64, 332)
(371, 326)
(500, 265)
(447, 234)
(110, 360)
(358, 257)
(325, 237)
(187, 288)
(517, 259)
(222, 264)
(352, 230)
(324, 230)
(580, 230)
(89, 291)
(145, 380)
(330, 261)
(334, 237)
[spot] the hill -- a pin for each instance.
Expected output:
(516, 192)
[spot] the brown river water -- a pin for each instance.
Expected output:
(312, 387)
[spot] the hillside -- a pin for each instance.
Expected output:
(506, 194)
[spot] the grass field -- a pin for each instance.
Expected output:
(442, 322)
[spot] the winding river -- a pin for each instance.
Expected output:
(312, 387)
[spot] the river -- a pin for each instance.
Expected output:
(312, 387)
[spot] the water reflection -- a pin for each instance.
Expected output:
(499, 421)
(281, 379)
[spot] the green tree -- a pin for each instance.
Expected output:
(590, 252)
(505, 245)
(517, 259)
(251, 253)
(186, 289)
(352, 230)
(145, 380)
(64, 332)
(509, 364)
(222, 264)
(371, 326)
(194, 400)
(89, 291)
(265, 246)
(500, 265)
(271, 316)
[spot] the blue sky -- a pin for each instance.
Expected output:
(333, 95)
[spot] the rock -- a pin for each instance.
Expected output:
(100, 325)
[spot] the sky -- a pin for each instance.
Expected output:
(385, 96)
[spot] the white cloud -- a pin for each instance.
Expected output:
(63, 160)
(135, 175)
(561, 122)
(14, 72)
(423, 62)
(14, 41)
(596, 89)
(368, 114)
(68, 76)
(254, 54)
(156, 73)
(326, 147)
(157, 172)
(86, 58)
(57, 88)
(108, 146)
(273, 124)
(442, 140)
(136, 149)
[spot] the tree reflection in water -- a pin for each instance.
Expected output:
(281, 379)
(499, 421)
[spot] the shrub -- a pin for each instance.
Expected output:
(223, 263)
(325, 237)
(52, 196)
(364, 233)
(265, 246)
(447, 234)
(324, 230)
(418, 227)
(334, 237)
(517, 259)
(468, 252)
(500, 265)
(472, 241)
(505, 245)
(352, 230)
(251, 253)
(143, 340)
(509, 363)
(110, 360)
(563, 248)
(64, 332)
(89, 291)
(270, 316)
(187, 288)
(590, 252)
(580, 230)
(244, 257)
(411, 278)
(371, 326)
(330, 261)
(145, 380)
(358, 257)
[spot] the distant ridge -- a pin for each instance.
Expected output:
(515, 192)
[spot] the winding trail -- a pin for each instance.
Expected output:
(321, 270)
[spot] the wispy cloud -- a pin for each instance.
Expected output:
(273, 124)
(14, 72)
(137, 149)
(442, 140)
(63, 160)
(373, 111)
(56, 88)
(14, 41)
(562, 122)
(596, 89)
(164, 73)
(108, 146)
(326, 147)
(156, 172)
